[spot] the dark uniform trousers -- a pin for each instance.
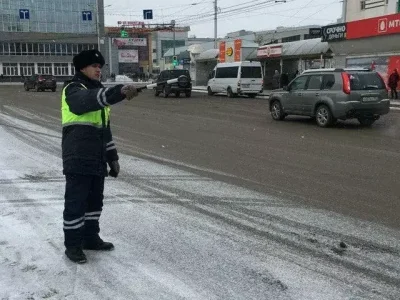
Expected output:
(82, 208)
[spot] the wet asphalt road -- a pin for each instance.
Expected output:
(347, 168)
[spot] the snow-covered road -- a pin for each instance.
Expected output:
(178, 236)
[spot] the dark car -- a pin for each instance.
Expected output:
(40, 83)
(183, 84)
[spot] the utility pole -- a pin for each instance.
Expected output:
(344, 11)
(215, 24)
(173, 30)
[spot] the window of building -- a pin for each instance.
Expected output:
(27, 69)
(45, 68)
(291, 38)
(61, 69)
(10, 69)
(362, 5)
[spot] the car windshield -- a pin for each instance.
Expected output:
(366, 81)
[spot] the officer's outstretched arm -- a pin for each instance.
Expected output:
(81, 100)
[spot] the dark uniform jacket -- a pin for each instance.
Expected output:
(87, 149)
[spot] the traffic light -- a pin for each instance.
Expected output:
(124, 33)
(175, 60)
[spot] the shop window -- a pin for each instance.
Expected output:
(362, 5)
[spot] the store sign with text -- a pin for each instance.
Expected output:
(384, 25)
(140, 42)
(270, 51)
(128, 56)
(335, 32)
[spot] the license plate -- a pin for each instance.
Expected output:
(370, 99)
(245, 85)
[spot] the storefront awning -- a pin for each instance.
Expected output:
(210, 54)
(305, 48)
(298, 49)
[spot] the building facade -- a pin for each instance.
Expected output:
(372, 42)
(41, 37)
(163, 40)
(354, 10)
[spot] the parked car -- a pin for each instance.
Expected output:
(331, 94)
(40, 83)
(236, 78)
(184, 84)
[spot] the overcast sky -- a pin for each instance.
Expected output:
(234, 15)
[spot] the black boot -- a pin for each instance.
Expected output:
(76, 255)
(97, 244)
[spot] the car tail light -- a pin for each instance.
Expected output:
(346, 83)
(41, 78)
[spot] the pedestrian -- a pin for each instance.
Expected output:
(392, 83)
(276, 80)
(284, 80)
(87, 148)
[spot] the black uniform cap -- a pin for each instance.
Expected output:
(87, 58)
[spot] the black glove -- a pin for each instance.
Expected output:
(114, 166)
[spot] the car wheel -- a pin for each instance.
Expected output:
(188, 94)
(209, 91)
(165, 92)
(156, 93)
(177, 94)
(54, 89)
(229, 93)
(323, 116)
(366, 121)
(277, 111)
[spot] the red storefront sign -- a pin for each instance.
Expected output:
(222, 49)
(238, 50)
(384, 25)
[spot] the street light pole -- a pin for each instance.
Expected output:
(173, 30)
(215, 24)
(98, 25)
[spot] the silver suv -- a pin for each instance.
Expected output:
(331, 94)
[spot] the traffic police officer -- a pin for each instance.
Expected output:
(87, 148)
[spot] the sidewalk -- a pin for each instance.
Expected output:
(394, 104)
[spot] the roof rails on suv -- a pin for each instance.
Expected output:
(355, 69)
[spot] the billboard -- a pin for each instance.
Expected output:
(128, 56)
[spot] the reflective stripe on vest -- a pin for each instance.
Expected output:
(92, 118)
